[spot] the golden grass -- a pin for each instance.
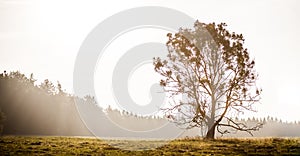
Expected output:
(24, 145)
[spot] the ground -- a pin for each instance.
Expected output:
(20, 145)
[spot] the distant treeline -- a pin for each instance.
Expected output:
(27, 108)
(272, 126)
(37, 109)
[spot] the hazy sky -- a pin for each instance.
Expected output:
(43, 37)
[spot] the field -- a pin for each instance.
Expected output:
(21, 145)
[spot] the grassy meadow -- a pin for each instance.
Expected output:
(25, 145)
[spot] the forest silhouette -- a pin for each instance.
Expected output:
(28, 108)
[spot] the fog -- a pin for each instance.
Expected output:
(45, 109)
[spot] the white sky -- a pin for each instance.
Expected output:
(43, 37)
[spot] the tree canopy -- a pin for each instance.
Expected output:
(211, 78)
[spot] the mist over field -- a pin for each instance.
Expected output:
(149, 77)
(45, 109)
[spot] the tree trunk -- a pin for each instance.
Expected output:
(211, 133)
(211, 122)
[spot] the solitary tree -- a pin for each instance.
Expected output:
(210, 77)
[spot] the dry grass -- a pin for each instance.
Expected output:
(17, 145)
